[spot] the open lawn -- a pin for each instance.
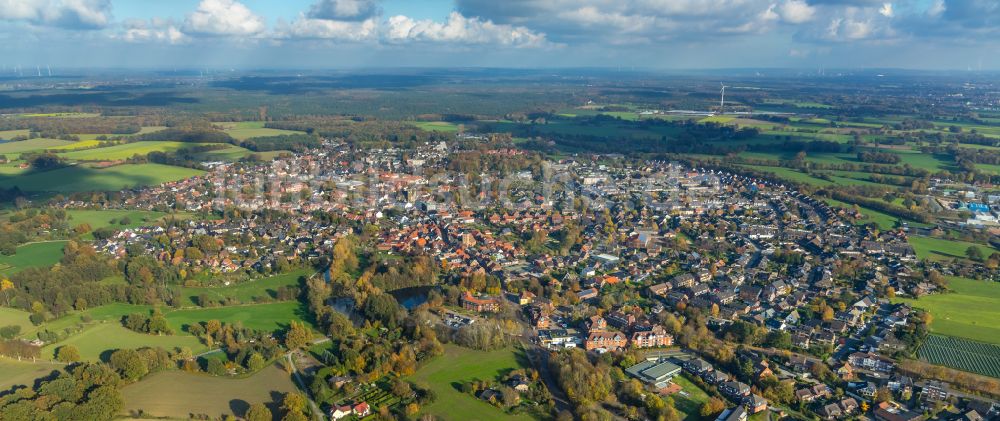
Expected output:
(22, 373)
(884, 220)
(269, 316)
(459, 365)
(971, 310)
(937, 248)
(96, 340)
(791, 175)
(178, 394)
(79, 178)
(247, 129)
(440, 126)
(244, 291)
(125, 150)
(10, 134)
(32, 255)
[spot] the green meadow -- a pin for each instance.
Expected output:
(32, 255)
(125, 150)
(80, 178)
(248, 129)
(970, 310)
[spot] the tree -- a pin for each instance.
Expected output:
(67, 354)
(974, 253)
(294, 402)
(711, 407)
(129, 364)
(298, 335)
(255, 362)
(258, 412)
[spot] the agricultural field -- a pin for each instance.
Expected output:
(178, 394)
(938, 249)
(30, 145)
(10, 134)
(95, 341)
(125, 150)
(459, 365)
(245, 291)
(32, 255)
(80, 178)
(969, 311)
(439, 126)
(247, 129)
(962, 354)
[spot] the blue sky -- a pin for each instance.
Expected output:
(921, 34)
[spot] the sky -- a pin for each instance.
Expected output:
(648, 34)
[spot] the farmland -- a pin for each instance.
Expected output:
(22, 372)
(32, 255)
(937, 248)
(968, 311)
(962, 354)
(125, 150)
(80, 178)
(31, 145)
(10, 316)
(459, 365)
(177, 394)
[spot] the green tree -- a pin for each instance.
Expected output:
(255, 362)
(67, 354)
(294, 402)
(129, 364)
(298, 335)
(258, 412)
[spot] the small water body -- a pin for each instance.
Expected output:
(410, 298)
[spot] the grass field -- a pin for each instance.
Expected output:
(247, 129)
(31, 145)
(269, 316)
(459, 365)
(690, 401)
(440, 126)
(32, 255)
(970, 311)
(10, 316)
(177, 394)
(10, 134)
(125, 150)
(245, 291)
(22, 373)
(78, 178)
(102, 218)
(96, 340)
(936, 248)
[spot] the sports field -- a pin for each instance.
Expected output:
(459, 365)
(971, 310)
(32, 255)
(689, 402)
(178, 394)
(439, 126)
(79, 178)
(244, 291)
(247, 129)
(125, 150)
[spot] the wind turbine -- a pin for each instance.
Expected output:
(722, 99)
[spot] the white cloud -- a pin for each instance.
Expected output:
(886, 10)
(937, 8)
(353, 10)
(461, 30)
(155, 30)
(70, 14)
(223, 18)
(796, 11)
(308, 28)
